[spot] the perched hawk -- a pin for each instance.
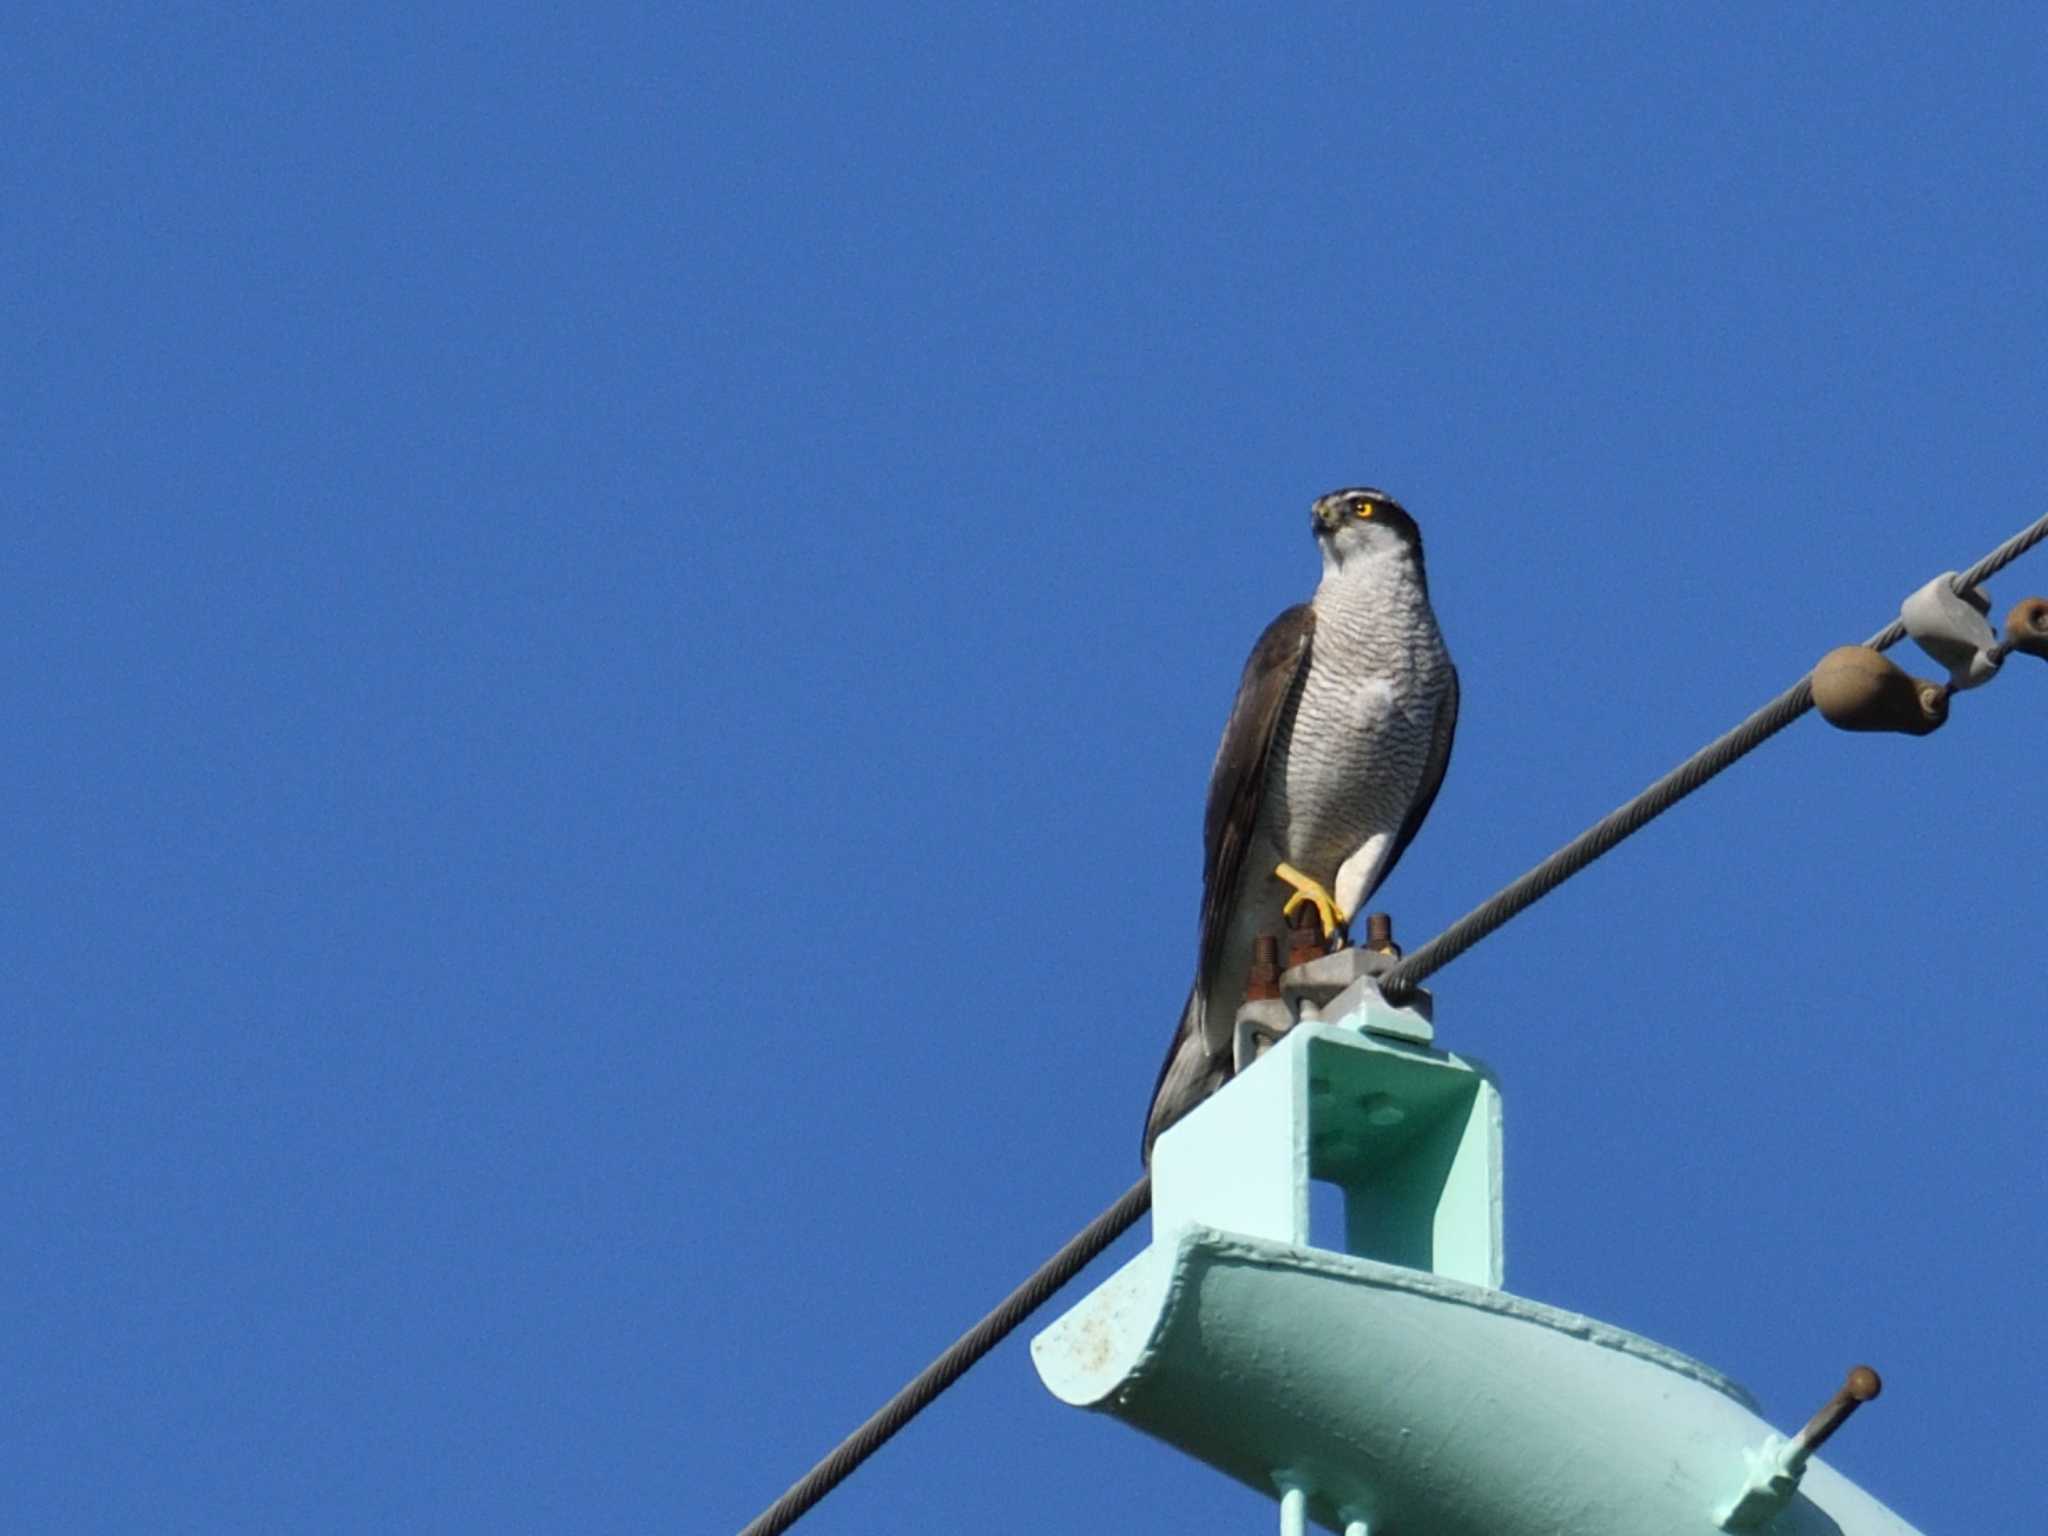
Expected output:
(1332, 755)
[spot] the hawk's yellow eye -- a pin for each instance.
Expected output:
(1365, 509)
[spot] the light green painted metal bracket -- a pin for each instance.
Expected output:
(1393, 1386)
(1409, 1134)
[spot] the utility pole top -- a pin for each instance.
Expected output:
(1379, 1379)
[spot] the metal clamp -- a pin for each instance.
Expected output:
(1260, 1023)
(1953, 630)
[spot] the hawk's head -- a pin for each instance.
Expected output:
(1361, 523)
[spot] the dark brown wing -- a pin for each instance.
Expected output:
(1445, 728)
(1277, 664)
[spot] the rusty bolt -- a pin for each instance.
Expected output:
(1304, 936)
(1263, 982)
(1863, 1384)
(1379, 934)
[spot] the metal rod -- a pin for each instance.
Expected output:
(1294, 1512)
(1863, 1384)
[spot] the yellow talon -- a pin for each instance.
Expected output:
(1307, 888)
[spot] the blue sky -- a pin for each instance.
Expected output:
(616, 623)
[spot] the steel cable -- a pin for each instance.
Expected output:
(953, 1364)
(1432, 957)
(1659, 797)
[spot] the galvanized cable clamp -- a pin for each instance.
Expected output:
(1319, 984)
(1950, 626)
(1856, 688)
(1776, 1466)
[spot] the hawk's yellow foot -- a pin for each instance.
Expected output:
(1307, 888)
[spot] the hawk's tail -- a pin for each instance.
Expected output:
(1187, 1076)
